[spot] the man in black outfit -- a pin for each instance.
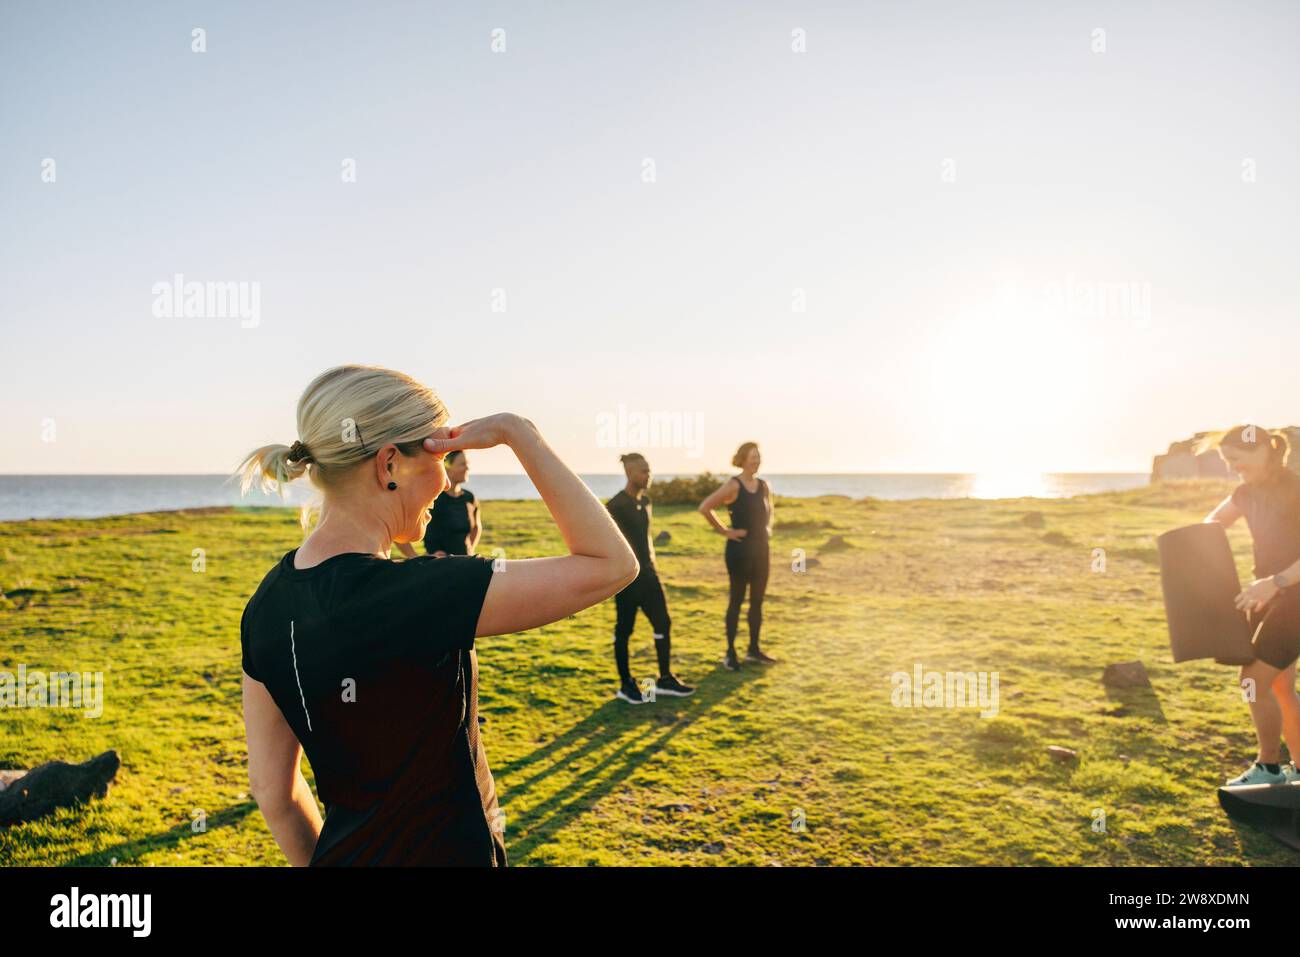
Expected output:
(630, 509)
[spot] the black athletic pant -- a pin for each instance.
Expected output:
(747, 567)
(647, 594)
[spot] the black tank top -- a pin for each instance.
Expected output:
(749, 511)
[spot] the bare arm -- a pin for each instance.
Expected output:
(275, 776)
(767, 497)
(1225, 513)
(530, 592)
(724, 494)
(1263, 590)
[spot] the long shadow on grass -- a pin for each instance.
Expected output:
(1135, 703)
(129, 851)
(1259, 846)
(660, 722)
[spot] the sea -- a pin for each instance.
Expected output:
(94, 496)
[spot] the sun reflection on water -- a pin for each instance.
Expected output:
(1011, 485)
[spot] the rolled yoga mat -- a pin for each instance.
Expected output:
(1273, 808)
(1200, 583)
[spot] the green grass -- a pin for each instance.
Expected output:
(717, 778)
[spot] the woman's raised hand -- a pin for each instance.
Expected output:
(527, 592)
(484, 433)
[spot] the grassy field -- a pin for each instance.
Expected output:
(805, 762)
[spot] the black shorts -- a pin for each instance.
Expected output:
(1277, 637)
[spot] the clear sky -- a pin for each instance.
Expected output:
(948, 190)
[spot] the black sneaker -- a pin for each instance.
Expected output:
(630, 693)
(671, 686)
(758, 657)
(731, 662)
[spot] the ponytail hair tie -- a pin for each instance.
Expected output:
(298, 452)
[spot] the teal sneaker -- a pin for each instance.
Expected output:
(1257, 774)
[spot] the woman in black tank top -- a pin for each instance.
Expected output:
(455, 521)
(749, 501)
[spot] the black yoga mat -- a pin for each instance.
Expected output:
(1273, 808)
(1199, 579)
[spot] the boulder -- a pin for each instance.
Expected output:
(1127, 674)
(663, 538)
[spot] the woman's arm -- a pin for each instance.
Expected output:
(724, 494)
(527, 593)
(767, 498)
(1263, 590)
(1225, 513)
(275, 776)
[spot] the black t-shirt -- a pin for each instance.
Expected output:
(1272, 510)
(633, 519)
(448, 530)
(372, 663)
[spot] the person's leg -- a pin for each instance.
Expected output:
(736, 572)
(1257, 679)
(757, 590)
(1277, 644)
(655, 606)
(624, 621)
(1288, 701)
(1264, 710)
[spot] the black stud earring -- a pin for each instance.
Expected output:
(392, 486)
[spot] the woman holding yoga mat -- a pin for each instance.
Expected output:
(1269, 499)
(367, 664)
(749, 499)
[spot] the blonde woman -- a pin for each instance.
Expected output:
(367, 664)
(1269, 499)
(749, 500)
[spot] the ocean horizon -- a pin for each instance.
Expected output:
(25, 497)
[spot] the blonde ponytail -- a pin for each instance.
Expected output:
(269, 467)
(345, 415)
